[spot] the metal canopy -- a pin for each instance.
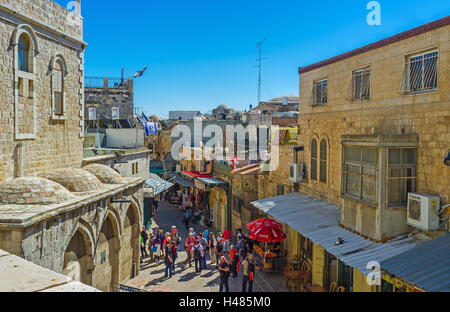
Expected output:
(427, 266)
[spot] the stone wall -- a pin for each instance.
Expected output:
(104, 99)
(388, 112)
(47, 142)
(45, 243)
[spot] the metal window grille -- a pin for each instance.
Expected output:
(420, 73)
(361, 84)
(320, 93)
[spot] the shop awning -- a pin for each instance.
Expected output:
(196, 174)
(156, 185)
(183, 182)
(427, 266)
(319, 221)
(212, 181)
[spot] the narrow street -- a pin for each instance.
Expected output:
(151, 276)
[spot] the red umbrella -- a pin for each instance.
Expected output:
(267, 235)
(264, 222)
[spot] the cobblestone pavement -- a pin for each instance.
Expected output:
(185, 279)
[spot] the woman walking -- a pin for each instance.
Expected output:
(212, 247)
(168, 259)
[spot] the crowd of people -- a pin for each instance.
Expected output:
(227, 258)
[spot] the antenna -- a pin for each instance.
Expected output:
(259, 60)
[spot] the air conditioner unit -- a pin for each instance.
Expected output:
(295, 172)
(423, 211)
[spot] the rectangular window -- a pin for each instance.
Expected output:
(361, 84)
(421, 73)
(30, 89)
(320, 92)
(401, 175)
(360, 173)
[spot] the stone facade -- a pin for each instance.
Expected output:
(389, 118)
(27, 119)
(104, 99)
(86, 236)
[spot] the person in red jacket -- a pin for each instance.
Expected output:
(234, 261)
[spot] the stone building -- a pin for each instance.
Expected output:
(41, 88)
(109, 105)
(82, 222)
(374, 123)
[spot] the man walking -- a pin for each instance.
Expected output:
(204, 244)
(198, 256)
(168, 259)
(189, 244)
(144, 238)
(248, 273)
(224, 270)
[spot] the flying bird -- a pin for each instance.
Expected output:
(140, 73)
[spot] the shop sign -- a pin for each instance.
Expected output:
(92, 113)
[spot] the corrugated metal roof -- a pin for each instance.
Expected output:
(183, 182)
(211, 181)
(303, 213)
(427, 266)
(319, 221)
(157, 184)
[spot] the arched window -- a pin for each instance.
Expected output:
(24, 53)
(314, 160)
(323, 161)
(58, 88)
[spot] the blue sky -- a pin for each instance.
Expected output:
(202, 53)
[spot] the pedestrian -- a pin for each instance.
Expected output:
(248, 273)
(156, 247)
(234, 261)
(212, 247)
(204, 243)
(219, 249)
(198, 256)
(191, 230)
(224, 270)
(186, 218)
(189, 244)
(174, 253)
(144, 238)
(168, 260)
(241, 246)
(205, 232)
(226, 237)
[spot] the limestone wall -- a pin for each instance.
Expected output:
(388, 112)
(56, 142)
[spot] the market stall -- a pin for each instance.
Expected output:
(268, 235)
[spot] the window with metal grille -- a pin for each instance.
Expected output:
(320, 92)
(58, 86)
(314, 159)
(323, 161)
(402, 175)
(361, 84)
(360, 173)
(421, 73)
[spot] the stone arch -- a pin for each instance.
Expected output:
(78, 261)
(61, 58)
(107, 254)
(24, 28)
(130, 243)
